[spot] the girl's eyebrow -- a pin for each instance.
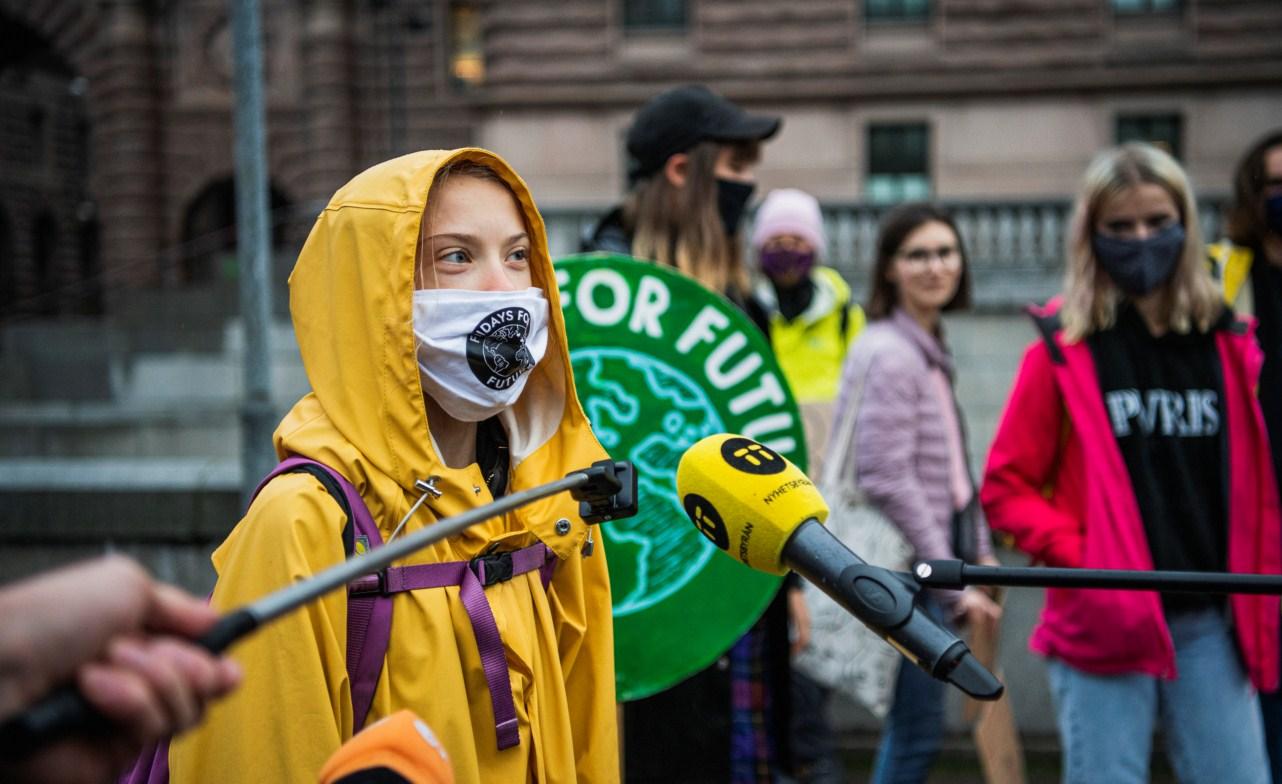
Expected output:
(471, 239)
(464, 238)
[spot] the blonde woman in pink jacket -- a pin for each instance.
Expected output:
(1132, 439)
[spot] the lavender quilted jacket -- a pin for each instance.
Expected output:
(900, 453)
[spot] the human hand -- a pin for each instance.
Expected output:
(799, 616)
(125, 640)
(977, 609)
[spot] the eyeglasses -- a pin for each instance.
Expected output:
(948, 255)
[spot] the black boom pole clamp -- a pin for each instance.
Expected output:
(610, 492)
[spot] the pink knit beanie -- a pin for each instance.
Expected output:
(789, 211)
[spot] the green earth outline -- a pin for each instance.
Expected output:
(686, 632)
(641, 597)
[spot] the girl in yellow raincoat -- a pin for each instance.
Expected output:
(402, 256)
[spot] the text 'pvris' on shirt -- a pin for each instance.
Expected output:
(1182, 413)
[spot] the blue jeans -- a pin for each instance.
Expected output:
(1209, 716)
(914, 729)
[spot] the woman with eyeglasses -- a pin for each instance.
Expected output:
(1132, 439)
(909, 450)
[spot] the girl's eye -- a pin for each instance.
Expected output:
(1119, 227)
(520, 254)
(455, 257)
(1160, 221)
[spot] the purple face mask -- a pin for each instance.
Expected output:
(783, 262)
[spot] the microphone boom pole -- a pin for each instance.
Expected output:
(237, 624)
(606, 491)
(884, 602)
(950, 573)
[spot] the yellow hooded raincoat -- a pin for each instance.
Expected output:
(350, 296)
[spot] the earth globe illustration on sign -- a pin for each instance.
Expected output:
(656, 428)
(660, 363)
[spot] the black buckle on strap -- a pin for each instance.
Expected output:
(498, 567)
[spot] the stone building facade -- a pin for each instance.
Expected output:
(116, 136)
(116, 123)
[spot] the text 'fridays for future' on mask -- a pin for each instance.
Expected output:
(477, 348)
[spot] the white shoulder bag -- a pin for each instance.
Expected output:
(843, 654)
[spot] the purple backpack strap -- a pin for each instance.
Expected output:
(151, 767)
(472, 577)
(369, 615)
(369, 622)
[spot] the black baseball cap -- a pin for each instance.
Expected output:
(678, 119)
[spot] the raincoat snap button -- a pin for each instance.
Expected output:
(563, 526)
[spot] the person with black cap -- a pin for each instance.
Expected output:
(690, 174)
(693, 156)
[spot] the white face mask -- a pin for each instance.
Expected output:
(476, 348)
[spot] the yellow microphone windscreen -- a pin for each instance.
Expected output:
(746, 498)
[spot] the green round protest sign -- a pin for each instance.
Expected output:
(661, 362)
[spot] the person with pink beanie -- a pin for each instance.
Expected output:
(804, 308)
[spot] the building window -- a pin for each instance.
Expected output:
(209, 239)
(898, 163)
(8, 271)
(36, 132)
(90, 290)
(467, 51)
(1134, 7)
(655, 15)
(44, 242)
(897, 10)
(1159, 130)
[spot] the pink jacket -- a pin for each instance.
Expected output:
(1056, 481)
(901, 450)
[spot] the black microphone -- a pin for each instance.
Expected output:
(760, 509)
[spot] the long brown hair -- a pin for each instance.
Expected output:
(895, 228)
(1090, 296)
(681, 227)
(1246, 216)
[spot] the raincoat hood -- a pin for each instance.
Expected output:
(351, 298)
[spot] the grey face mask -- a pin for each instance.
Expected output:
(1140, 266)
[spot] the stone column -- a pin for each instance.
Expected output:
(329, 110)
(124, 106)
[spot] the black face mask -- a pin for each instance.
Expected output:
(732, 197)
(1139, 266)
(1273, 214)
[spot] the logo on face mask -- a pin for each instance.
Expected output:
(496, 350)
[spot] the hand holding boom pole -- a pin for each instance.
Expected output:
(606, 491)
